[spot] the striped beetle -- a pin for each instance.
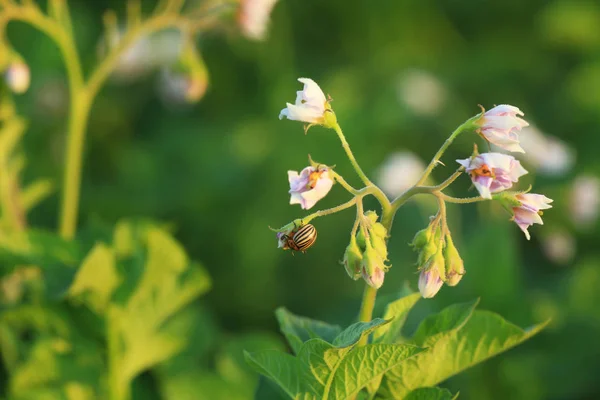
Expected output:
(301, 239)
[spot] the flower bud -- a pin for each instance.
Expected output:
(372, 267)
(455, 268)
(427, 252)
(352, 259)
(17, 77)
(421, 238)
(430, 283)
(371, 216)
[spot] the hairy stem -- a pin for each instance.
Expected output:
(350, 155)
(329, 211)
(459, 200)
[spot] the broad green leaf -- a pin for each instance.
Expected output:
(200, 384)
(341, 373)
(430, 393)
(352, 334)
(136, 335)
(97, 278)
(52, 364)
(298, 330)
(396, 311)
(449, 319)
(484, 335)
(283, 369)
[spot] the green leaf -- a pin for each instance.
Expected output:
(449, 319)
(97, 278)
(283, 369)
(430, 393)
(37, 247)
(396, 311)
(137, 337)
(298, 330)
(341, 373)
(352, 334)
(484, 335)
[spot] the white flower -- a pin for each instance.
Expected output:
(528, 213)
(399, 172)
(500, 125)
(310, 106)
(253, 17)
(584, 200)
(310, 186)
(493, 172)
(421, 91)
(559, 246)
(17, 77)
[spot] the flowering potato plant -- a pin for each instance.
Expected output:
(371, 358)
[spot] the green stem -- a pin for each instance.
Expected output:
(80, 108)
(350, 155)
(329, 211)
(436, 158)
(459, 200)
(338, 178)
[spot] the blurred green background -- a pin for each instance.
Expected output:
(403, 75)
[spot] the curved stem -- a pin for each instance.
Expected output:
(459, 200)
(329, 211)
(350, 155)
(343, 182)
(436, 158)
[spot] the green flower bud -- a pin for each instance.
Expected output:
(427, 252)
(352, 259)
(432, 275)
(421, 238)
(373, 268)
(455, 268)
(361, 240)
(380, 245)
(371, 216)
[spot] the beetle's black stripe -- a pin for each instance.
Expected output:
(305, 237)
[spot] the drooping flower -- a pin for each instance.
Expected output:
(493, 172)
(499, 126)
(399, 172)
(17, 77)
(310, 186)
(430, 280)
(311, 104)
(253, 17)
(528, 213)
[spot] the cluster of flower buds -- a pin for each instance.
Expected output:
(439, 261)
(367, 252)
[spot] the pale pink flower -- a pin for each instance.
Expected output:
(528, 213)
(310, 105)
(499, 126)
(430, 282)
(17, 77)
(310, 186)
(253, 17)
(493, 172)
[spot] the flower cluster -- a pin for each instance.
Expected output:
(367, 252)
(493, 174)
